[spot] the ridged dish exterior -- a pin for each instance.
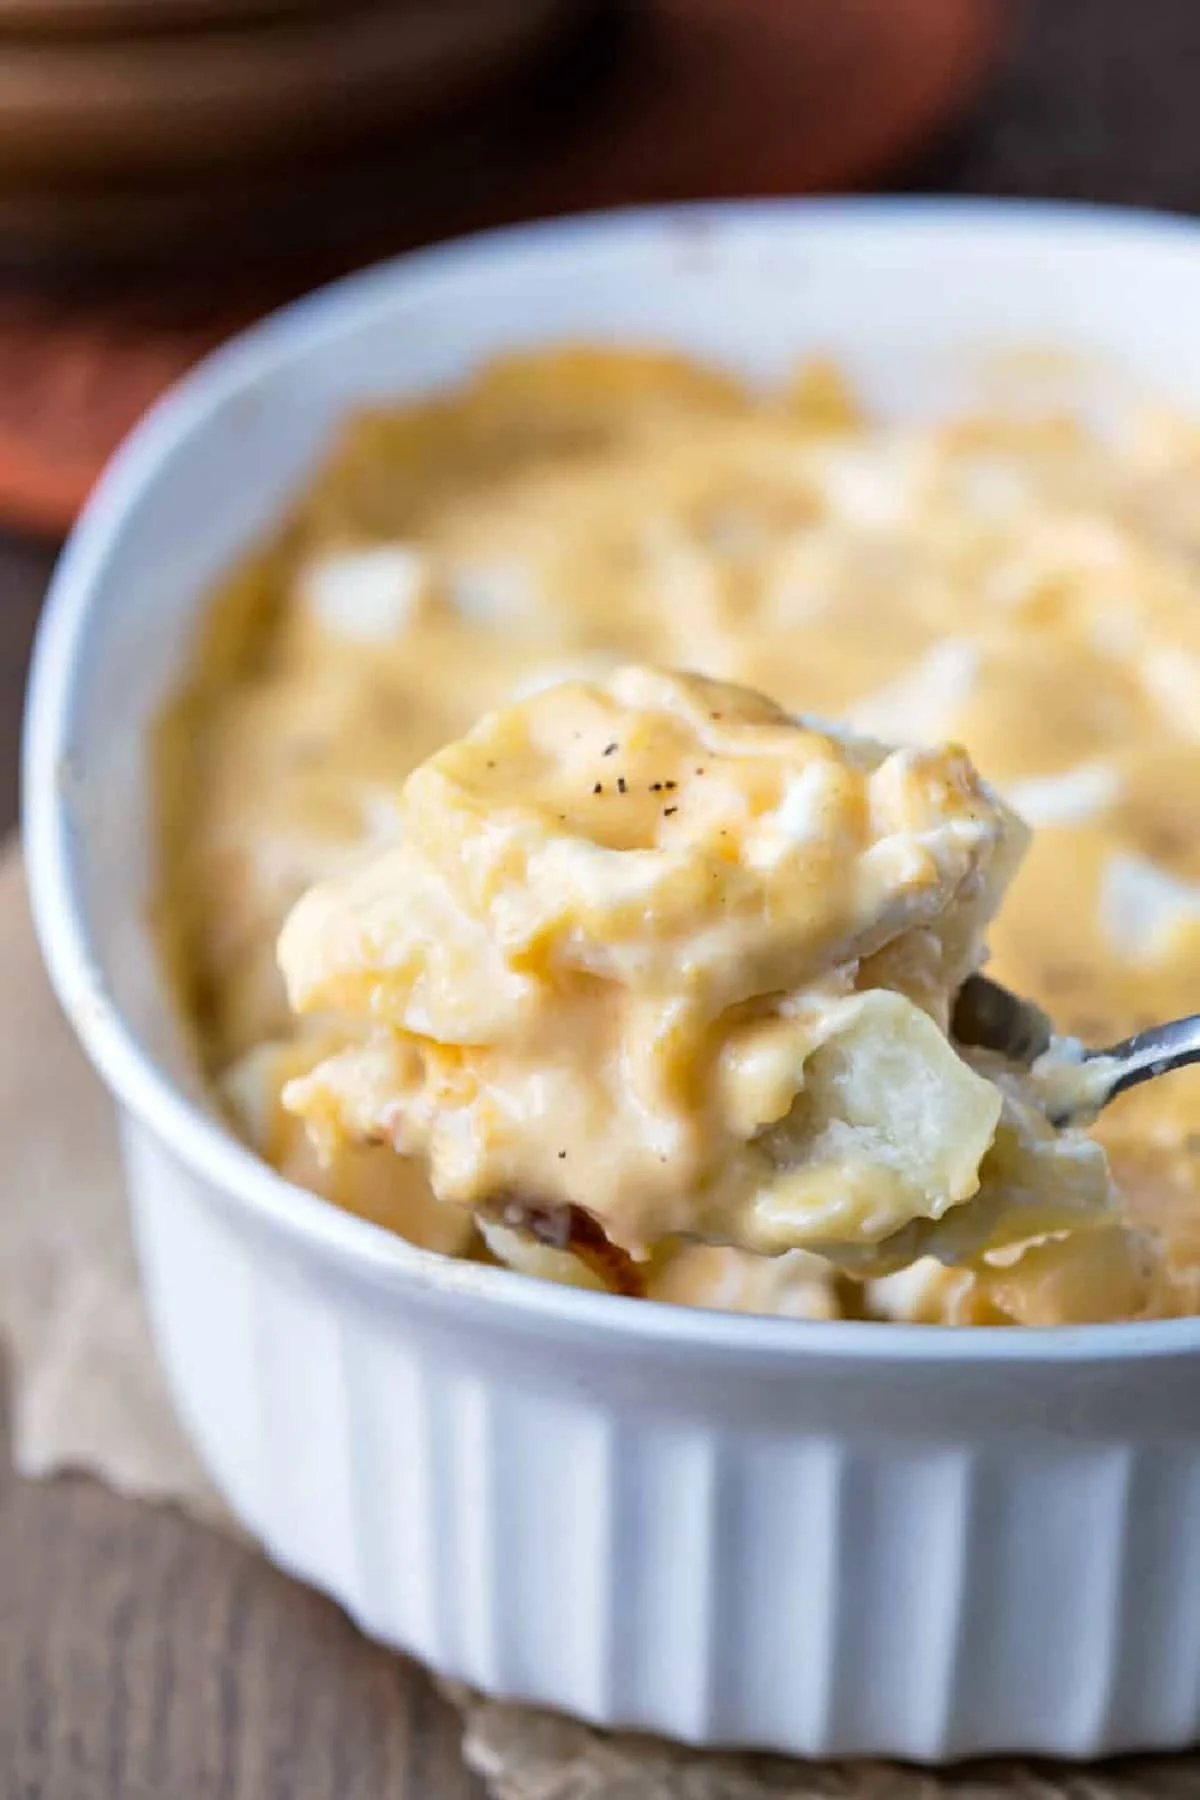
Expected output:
(814, 1561)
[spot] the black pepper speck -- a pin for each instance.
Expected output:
(621, 788)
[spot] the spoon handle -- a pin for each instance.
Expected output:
(1155, 1051)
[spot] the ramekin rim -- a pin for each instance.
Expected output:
(198, 1139)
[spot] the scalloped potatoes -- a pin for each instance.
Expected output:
(1024, 585)
(653, 950)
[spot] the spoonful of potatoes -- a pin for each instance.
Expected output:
(651, 959)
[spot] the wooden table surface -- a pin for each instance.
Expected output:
(146, 1658)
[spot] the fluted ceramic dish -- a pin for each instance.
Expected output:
(833, 1539)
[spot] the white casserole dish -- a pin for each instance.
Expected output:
(831, 1539)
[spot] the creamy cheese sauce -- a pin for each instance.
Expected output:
(1025, 587)
(651, 953)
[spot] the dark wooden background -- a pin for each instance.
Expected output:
(145, 1658)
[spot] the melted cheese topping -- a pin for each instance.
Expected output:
(655, 950)
(1024, 586)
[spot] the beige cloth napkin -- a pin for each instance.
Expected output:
(87, 1396)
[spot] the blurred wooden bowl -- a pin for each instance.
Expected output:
(103, 18)
(298, 84)
(170, 232)
(643, 100)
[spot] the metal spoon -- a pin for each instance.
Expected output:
(989, 1017)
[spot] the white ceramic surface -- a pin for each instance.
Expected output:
(828, 1539)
